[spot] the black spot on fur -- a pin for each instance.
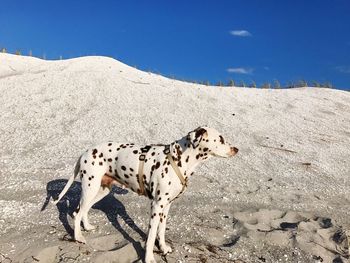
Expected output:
(93, 163)
(100, 163)
(157, 165)
(131, 169)
(135, 151)
(116, 158)
(110, 159)
(85, 161)
(123, 168)
(94, 151)
(188, 157)
(178, 150)
(110, 144)
(222, 140)
(101, 155)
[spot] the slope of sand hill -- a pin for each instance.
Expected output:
(285, 197)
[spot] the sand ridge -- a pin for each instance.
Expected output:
(293, 160)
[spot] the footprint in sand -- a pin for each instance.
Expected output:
(315, 235)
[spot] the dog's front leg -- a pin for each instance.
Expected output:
(156, 215)
(161, 231)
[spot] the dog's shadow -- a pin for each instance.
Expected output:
(113, 209)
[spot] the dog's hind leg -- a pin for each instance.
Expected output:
(156, 217)
(102, 192)
(88, 194)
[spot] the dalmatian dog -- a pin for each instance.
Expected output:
(160, 172)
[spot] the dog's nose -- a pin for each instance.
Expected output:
(234, 150)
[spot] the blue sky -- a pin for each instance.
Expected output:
(259, 40)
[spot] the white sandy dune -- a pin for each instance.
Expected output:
(285, 197)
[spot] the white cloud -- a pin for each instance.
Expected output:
(240, 33)
(240, 70)
(343, 69)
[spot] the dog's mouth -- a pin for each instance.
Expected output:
(232, 152)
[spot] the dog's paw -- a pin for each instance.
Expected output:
(80, 239)
(150, 259)
(166, 249)
(89, 227)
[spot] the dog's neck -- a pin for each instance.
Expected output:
(186, 156)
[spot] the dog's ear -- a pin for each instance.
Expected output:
(196, 136)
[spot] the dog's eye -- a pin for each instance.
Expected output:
(222, 139)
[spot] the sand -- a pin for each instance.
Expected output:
(285, 197)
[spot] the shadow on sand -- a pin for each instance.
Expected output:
(109, 205)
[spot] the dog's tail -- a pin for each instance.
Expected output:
(70, 182)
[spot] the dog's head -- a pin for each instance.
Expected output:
(211, 140)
